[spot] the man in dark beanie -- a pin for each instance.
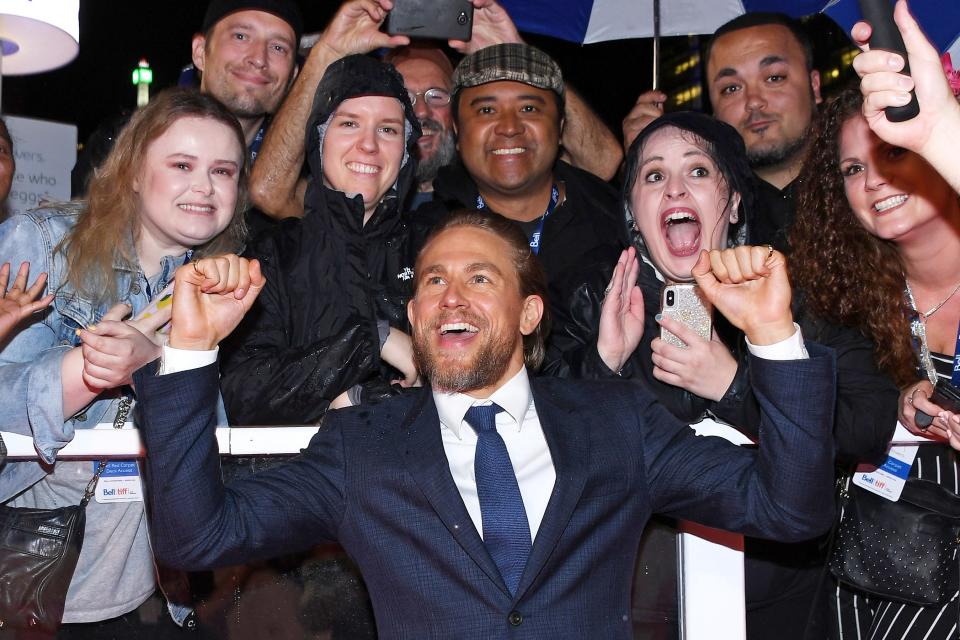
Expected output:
(245, 56)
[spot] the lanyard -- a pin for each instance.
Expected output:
(255, 145)
(537, 235)
(918, 327)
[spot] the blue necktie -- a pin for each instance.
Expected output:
(506, 532)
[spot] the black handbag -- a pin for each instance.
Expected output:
(904, 550)
(39, 549)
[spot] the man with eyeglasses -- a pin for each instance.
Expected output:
(426, 72)
(276, 185)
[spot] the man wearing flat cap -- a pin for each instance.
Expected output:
(508, 105)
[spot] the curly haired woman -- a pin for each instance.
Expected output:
(877, 247)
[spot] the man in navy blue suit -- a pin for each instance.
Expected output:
(491, 504)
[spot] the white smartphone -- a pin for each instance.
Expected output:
(684, 303)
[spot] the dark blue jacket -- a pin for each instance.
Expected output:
(376, 479)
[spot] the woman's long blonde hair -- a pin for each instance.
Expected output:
(107, 229)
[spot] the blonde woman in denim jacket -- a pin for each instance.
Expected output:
(172, 186)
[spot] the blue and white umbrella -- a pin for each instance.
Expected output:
(587, 21)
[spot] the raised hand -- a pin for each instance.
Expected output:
(112, 349)
(356, 29)
(749, 286)
(704, 368)
(621, 315)
(491, 25)
(210, 298)
(20, 301)
(649, 107)
(882, 86)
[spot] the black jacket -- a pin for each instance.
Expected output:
(313, 332)
(585, 229)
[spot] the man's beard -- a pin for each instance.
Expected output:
(444, 154)
(243, 104)
(774, 156)
(487, 367)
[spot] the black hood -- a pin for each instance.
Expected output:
(353, 77)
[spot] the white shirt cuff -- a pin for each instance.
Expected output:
(177, 360)
(791, 348)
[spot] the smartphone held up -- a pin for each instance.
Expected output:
(437, 19)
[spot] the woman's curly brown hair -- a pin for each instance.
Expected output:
(849, 276)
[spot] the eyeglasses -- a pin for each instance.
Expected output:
(433, 97)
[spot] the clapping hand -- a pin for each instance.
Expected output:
(704, 367)
(749, 286)
(210, 298)
(20, 301)
(621, 315)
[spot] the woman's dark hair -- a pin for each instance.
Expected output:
(530, 274)
(719, 140)
(848, 275)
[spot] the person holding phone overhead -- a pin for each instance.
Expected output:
(688, 185)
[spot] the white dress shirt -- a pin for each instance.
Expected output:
(520, 429)
(518, 425)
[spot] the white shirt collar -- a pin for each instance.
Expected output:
(514, 398)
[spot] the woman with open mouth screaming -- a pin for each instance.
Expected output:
(688, 188)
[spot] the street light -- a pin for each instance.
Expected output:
(142, 79)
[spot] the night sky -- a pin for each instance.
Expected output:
(115, 34)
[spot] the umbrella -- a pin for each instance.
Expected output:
(587, 21)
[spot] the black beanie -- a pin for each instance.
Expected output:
(286, 10)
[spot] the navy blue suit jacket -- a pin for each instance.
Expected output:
(376, 479)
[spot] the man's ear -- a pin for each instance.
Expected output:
(198, 49)
(815, 86)
(410, 308)
(530, 314)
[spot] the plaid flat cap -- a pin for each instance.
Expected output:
(514, 61)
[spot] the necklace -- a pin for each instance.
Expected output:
(918, 327)
(935, 307)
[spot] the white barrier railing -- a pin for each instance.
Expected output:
(104, 441)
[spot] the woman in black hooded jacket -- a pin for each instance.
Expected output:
(339, 278)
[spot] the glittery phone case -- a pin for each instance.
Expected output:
(686, 306)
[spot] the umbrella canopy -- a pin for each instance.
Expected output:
(587, 21)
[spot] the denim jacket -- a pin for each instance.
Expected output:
(31, 403)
